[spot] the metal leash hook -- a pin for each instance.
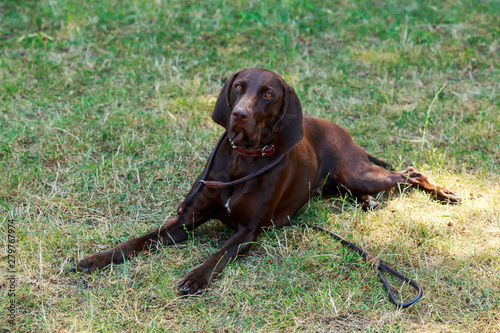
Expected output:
(380, 266)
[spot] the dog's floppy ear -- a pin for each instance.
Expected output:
(222, 109)
(288, 130)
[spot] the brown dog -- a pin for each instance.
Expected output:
(263, 118)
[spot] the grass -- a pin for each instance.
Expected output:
(105, 122)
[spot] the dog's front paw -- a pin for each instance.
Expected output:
(195, 282)
(94, 262)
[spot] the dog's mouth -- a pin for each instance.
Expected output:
(245, 140)
(251, 138)
(259, 136)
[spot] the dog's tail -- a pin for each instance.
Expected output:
(379, 162)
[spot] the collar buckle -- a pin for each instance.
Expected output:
(268, 150)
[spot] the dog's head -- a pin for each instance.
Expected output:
(257, 108)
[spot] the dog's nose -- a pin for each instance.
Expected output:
(240, 116)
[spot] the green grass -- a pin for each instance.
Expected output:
(105, 123)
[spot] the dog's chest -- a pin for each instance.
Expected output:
(238, 206)
(228, 208)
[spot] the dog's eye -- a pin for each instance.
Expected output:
(268, 95)
(237, 87)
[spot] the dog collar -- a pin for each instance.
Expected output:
(266, 151)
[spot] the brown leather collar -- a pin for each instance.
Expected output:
(266, 151)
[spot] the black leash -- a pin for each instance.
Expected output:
(380, 266)
(377, 263)
(211, 159)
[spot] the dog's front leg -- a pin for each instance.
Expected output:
(173, 231)
(201, 277)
